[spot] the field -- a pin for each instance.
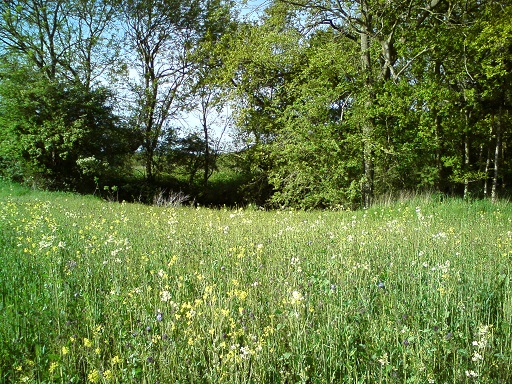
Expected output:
(95, 292)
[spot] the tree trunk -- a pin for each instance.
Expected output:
(487, 165)
(367, 183)
(466, 165)
(466, 156)
(206, 150)
(497, 155)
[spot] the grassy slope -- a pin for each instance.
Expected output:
(96, 292)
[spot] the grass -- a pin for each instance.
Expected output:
(96, 292)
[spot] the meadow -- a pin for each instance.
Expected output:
(417, 291)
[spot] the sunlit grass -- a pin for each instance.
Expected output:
(415, 292)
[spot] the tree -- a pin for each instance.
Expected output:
(165, 35)
(383, 31)
(491, 45)
(72, 40)
(207, 102)
(56, 134)
(259, 60)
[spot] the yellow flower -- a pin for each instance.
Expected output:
(87, 342)
(108, 374)
(65, 350)
(115, 360)
(93, 376)
(53, 367)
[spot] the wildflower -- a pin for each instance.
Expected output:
(159, 316)
(115, 360)
(156, 338)
(65, 350)
(477, 356)
(483, 330)
(53, 367)
(471, 374)
(384, 359)
(87, 342)
(245, 352)
(108, 374)
(93, 376)
(296, 297)
(165, 296)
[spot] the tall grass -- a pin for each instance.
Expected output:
(95, 292)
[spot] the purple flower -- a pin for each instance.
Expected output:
(159, 317)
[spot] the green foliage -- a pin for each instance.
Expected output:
(58, 134)
(334, 103)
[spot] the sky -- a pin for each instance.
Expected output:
(250, 10)
(252, 7)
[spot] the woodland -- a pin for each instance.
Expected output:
(329, 103)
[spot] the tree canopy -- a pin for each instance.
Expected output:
(333, 103)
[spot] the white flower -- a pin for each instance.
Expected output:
(477, 357)
(165, 296)
(471, 373)
(296, 297)
(384, 359)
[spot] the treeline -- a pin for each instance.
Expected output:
(334, 103)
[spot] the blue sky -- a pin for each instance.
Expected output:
(253, 7)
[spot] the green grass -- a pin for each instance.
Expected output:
(416, 292)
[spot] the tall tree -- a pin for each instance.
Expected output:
(260, 60)
(207, 102)
(491, 46)
(70, 40)
(382, 31)
(164, 35)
